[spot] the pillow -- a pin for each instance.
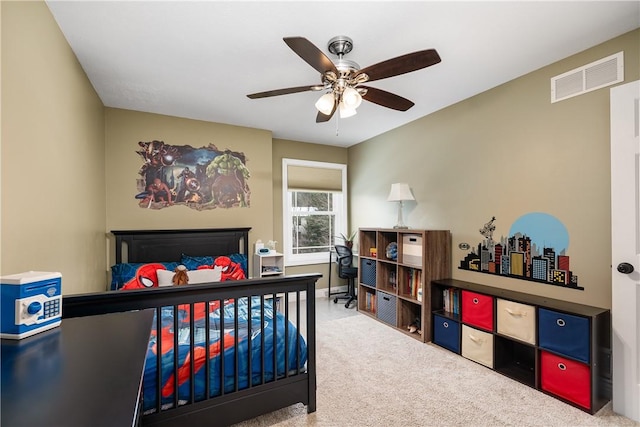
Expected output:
(242, 260)
(195, 276)
(193, 262)
(204, 276)
(137, 275)
(165, 277)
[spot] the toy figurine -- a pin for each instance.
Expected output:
(181, 277)
(414, 326)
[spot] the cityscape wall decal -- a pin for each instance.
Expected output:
(535, 250)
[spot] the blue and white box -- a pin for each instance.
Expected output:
(30, 302)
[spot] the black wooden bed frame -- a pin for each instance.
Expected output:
(228, 407)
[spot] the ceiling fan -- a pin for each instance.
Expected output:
(344, 81)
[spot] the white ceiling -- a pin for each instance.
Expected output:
(199, 60)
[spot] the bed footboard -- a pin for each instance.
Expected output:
(244, 348)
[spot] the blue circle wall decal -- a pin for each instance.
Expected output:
(544, 230)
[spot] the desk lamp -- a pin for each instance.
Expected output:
(400, 192)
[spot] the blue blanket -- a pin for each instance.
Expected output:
(221, 334)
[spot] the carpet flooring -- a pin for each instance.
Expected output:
(370, 375)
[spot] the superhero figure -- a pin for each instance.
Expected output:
(145, 277)
(228, 175)
(229, 270)
(155, 154)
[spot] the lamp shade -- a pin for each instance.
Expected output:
(351, 98)
(325, 103)
(400, 192)
(346, 111)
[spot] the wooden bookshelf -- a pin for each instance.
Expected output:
(396, 289)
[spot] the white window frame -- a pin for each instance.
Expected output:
(340, 207)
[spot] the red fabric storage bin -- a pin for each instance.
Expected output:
(566, 378)
(477, 310)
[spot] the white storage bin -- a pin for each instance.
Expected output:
(477, 345)
(412, 249)
(516, 320)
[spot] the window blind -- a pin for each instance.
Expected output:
(310, 178)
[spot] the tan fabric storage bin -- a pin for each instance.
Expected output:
(412, 249)
(516, 320)
(477, 346)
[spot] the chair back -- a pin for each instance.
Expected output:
(345, 259)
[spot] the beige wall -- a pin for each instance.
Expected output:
(125, 128)
(53, 205)
(302, 151)
(505, 153)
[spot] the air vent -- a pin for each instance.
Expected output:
(598, 74)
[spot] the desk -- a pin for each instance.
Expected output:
(86, 372)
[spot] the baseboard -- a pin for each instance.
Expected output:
(324, 293)
(321, 293)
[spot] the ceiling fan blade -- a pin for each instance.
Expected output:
(321, 118)
(401, 64)
(284, 91)
(386, 99)
(311, 54)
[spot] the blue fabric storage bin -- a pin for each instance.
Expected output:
(564, 333)
(387, 308)
(368, 269)
(446, 333)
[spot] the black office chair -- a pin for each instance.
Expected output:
(347, 272)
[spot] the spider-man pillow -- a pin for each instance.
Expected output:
(229, 269)
(196, 262)
(138, 275)
(193, 262)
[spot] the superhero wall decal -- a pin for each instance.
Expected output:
(201, 178)
(535, 249)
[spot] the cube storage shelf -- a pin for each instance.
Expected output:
(562, 349)
(396, 267)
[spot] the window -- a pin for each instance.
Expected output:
(314, 209)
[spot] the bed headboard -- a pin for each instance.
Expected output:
(142, 246)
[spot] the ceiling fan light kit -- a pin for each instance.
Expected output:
(343, 80)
